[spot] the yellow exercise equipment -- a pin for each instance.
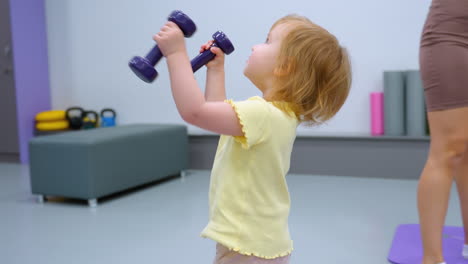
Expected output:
(53, 125)
(52, 115)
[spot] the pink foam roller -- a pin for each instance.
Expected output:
(377, 113)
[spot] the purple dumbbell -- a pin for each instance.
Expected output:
(221, 41)
(144, 67)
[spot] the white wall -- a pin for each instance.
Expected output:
(91, 42)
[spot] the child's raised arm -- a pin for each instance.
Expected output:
(218, 117)
(215, 83)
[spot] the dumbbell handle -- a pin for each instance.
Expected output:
(202, 58)
(154, 55)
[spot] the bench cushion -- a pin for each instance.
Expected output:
(89, 164)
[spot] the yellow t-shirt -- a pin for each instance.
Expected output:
(249, 198)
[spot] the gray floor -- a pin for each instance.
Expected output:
(333, 220)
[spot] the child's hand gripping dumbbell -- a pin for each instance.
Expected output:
(221, 41)
(144, 67)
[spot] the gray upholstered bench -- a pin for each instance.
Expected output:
(90, 164)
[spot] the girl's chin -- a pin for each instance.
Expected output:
(245, 71)
(246, 74)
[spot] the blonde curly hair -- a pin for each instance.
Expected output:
(314, 71)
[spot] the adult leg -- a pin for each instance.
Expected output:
(449, 140)
(461, 178)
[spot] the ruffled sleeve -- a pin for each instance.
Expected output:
(253, 116)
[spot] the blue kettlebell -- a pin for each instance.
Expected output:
(108, 121)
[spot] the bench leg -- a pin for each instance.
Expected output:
(41, 198)
(92, 203)
(182, 175)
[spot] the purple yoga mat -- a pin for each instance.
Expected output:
(407, 247)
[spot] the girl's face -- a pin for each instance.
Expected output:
(262, 62)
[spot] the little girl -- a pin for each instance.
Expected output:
(305, 76)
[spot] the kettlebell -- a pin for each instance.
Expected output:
(108, 121)
(90, 119)
(75, 116)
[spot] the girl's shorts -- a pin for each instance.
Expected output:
(226, 256)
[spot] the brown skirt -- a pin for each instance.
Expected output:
(443, 55)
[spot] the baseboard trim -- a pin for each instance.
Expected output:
(392, 157)
(9, 157)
